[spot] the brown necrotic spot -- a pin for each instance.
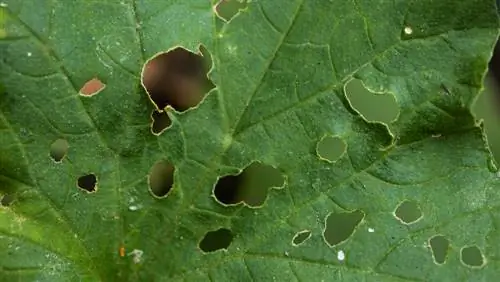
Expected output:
(472, 256)
(88, 183)
(341, 226)
(177, 78)
(439, 247)
(58, 150)
(92, 87)
(301, 237)
(161, 178)
(250, 186)
(227, 9)
(216, 240)
(408, 212)
(330, 148)
(160, 122)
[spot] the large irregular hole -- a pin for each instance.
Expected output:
(177, 78)
(58, 150)
(330, 148)
(471, 256)
(88, 183)
(227, 9)
(341, 226)
(7, 199)
(408, 212)
(373, 107)
(301, 237)
(216, 240)
(439, 247)
(160, 122)
(92, 87)
(161, 178)
(250, 187)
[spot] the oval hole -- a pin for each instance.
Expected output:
(161, 178)
(7, 200)
(216, 240)
(330, 148)
(250, 187)
(301, 237)
(88, 183)
(471, 256)
(408, 212)
(341, 226)
(439, 246)
(58, 150)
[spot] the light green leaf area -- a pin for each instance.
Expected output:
(279, 68)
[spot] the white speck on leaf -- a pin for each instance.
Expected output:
(371, 230)
(408, 30)
(137, 255)
(286, 253)
(29, 54)
(2, 4)
(133, 208)
(341, 255)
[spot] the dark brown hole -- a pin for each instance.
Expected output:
(301, 237)
(88, 183)
(177, 78)
(341, 226)
(160, 122)
(227, 9)
(92, 87)
(250, 187)
(58, 150)
(216, 240)
(161, 178)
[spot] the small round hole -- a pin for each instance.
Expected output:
(439, 246)
(330, 148)
(7, 200)
(301, 237)
(341, 226)
(58, 150)
(408, 212)
(88, 183)
(471, 256)
(161, 178)
(92, 87)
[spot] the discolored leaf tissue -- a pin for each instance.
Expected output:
(74, 71)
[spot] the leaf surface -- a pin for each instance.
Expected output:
(279, 68)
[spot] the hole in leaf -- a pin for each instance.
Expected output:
(372, 106)
(227, 9)
(408, 212)
(88, 183)
(341, 226)
(160, 122)
(250, 187)
(301, 237)
(92, 87)
(161, 178)
(439, 246)
(177, 78)
(330, 148)
(216, 240)
(58, 150)
(472, 256)
(7, 200)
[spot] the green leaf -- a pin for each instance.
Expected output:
(279, 68)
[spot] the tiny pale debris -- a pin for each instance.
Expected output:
(2, 4)
(371, 230)
(29, 54)
(137, 255)
(408, 30)
(341, 255)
